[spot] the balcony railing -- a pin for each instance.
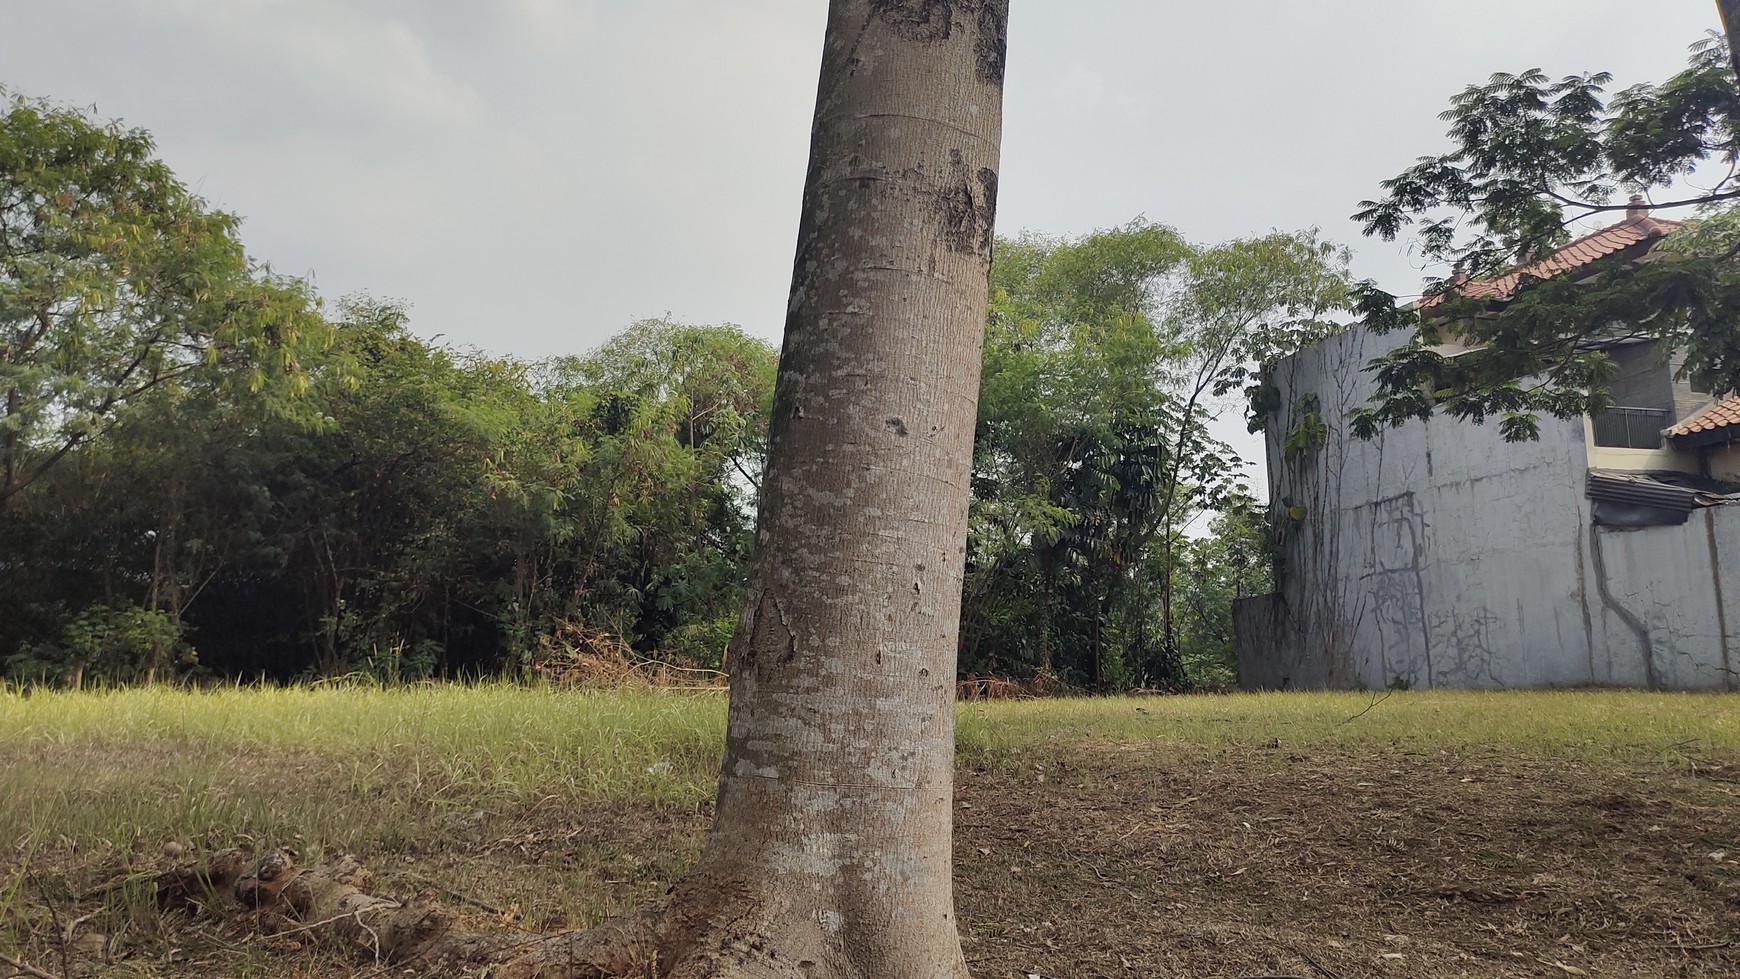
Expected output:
(1631, 428)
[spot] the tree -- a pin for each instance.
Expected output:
(830, 849)
(831, 843)
(1106, 359)
(1244, 304)
(114, 280)
(709, 388)
(1073, 436)
(1532, 157)
(1234, 561)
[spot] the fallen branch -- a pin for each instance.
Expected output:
(25, 968)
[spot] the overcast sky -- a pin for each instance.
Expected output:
(533, 175)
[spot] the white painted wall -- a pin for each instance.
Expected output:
(1441, 556)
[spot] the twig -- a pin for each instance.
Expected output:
(1368, 709)
(111, 885)
(1320, 967)
(372, 934)
(357, 914)
(53, 917)
(25, 969)
(457, 896)
(1700, 948)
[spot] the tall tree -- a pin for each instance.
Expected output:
(114, 280)
(1245, 303)
(833, 830)
(1073, 428)
(1106, 359)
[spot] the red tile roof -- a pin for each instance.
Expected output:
(1722, 414)
(1638, 228)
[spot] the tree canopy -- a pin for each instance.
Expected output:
(1106, 358)
(115, 280)
(1531, 157)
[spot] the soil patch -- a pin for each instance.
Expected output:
(1085, 861)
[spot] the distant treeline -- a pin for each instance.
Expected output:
(205, 472)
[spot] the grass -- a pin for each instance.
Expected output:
(117, 767)
(158, 763)
(1581, 723)
(591, 801)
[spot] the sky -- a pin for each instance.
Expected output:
(531, 176)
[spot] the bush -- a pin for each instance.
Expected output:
(113, 646)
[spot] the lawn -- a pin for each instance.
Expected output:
(1323, 835)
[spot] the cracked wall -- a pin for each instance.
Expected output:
(1438, 555)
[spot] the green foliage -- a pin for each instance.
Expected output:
(1234, 561)
(1105, 359)
(109, 646)
(115, 280)
(446, 514)
(1309, 432)
(1531, 156)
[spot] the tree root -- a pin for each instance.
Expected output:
(334, 902)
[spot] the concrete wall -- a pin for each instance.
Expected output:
(1441, 556)
(1668, 604)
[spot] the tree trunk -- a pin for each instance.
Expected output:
(831, 843)
(10, 449)
(1729, 11)
(829, 854)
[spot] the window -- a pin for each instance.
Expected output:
(1631, 428)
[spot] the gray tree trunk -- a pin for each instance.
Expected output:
(1729, 11)
(835, 798)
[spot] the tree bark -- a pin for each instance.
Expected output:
(834, 817)
(1729, 11)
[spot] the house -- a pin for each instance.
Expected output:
(1606, 553)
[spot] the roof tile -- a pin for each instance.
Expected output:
(1720, 415)
(1584, 251)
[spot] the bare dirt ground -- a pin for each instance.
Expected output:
(1091, 861)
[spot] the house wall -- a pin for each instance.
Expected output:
(1723, 461)
(1687, 398)
(1667, 604)
(1644, 378)
(1666, 458)
(1438, 555)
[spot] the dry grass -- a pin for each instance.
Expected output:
(1472, 835)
